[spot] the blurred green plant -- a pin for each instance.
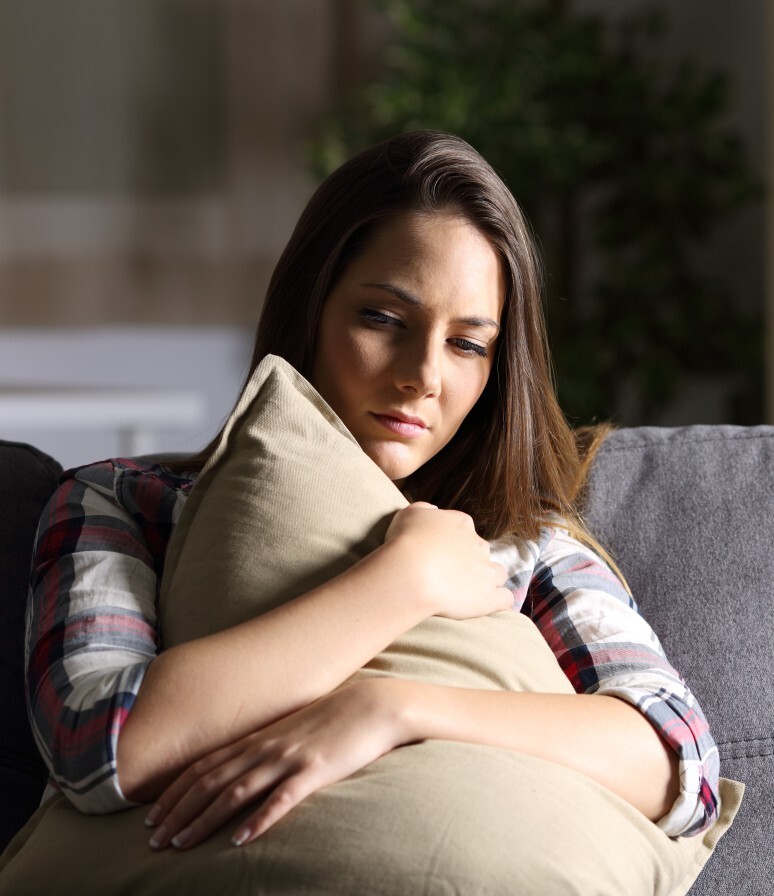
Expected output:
(622, 161)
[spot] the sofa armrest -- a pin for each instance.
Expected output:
(688, 513)
(27, 480)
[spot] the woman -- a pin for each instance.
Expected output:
(409, 295)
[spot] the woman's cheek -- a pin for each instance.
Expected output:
(365, 353)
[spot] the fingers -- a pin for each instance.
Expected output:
(206, 796)
(507, 598)
(276, 806)
(224, 803)
(185, 781)
(501, 574)
(224, 792)
(501, 577)
(191, 796)
(463, 519)
(457, 515)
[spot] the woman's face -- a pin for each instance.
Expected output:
(407, 337)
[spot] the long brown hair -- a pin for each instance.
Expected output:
(514, 461)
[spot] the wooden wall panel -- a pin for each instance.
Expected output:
(152, 152)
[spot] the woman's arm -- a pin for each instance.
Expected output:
(605, 647)
(639, 735)
(202, 695)
(90, 631)
(105, 707)
(600, 737)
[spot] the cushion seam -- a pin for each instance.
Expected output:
(746, 748)
(727, 756)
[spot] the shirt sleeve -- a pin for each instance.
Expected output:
(91, 622)
(605, 646)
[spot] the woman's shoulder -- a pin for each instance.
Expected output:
(555, 533)
(136, 473)
(520, 557)
(558, 551)
(127, 505)
(142, 488)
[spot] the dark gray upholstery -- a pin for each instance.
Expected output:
(689, 515)
(27, 479)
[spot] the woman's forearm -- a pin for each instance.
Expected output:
(203, 694)
(275, 769)
(600, 736)
(199, 696)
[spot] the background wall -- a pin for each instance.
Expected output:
(152, 165)
(150, 154)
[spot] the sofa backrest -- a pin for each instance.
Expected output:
(688, 513)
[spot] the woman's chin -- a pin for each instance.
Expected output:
(397, 461)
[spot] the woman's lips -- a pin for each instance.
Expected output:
(409, 429)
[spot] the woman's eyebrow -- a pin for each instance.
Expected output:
(411, 299)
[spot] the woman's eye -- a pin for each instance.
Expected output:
(378, 317)
(471, 348)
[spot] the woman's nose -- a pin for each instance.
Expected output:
(420, 369)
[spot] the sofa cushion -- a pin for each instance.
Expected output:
(27, 480)
(688, 513)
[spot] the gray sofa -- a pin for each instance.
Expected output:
(689, 515)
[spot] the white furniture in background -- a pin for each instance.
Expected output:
(133, 414)
(83, 394)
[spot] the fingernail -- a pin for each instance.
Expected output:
(182, 838)
(153, 816)
(241, 836)
(158, 838)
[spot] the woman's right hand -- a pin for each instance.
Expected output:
(448, 562)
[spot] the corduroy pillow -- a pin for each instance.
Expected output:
(287, 500)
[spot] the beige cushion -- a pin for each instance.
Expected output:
(432, 819)
(287, 500)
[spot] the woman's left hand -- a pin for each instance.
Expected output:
(280, 765)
